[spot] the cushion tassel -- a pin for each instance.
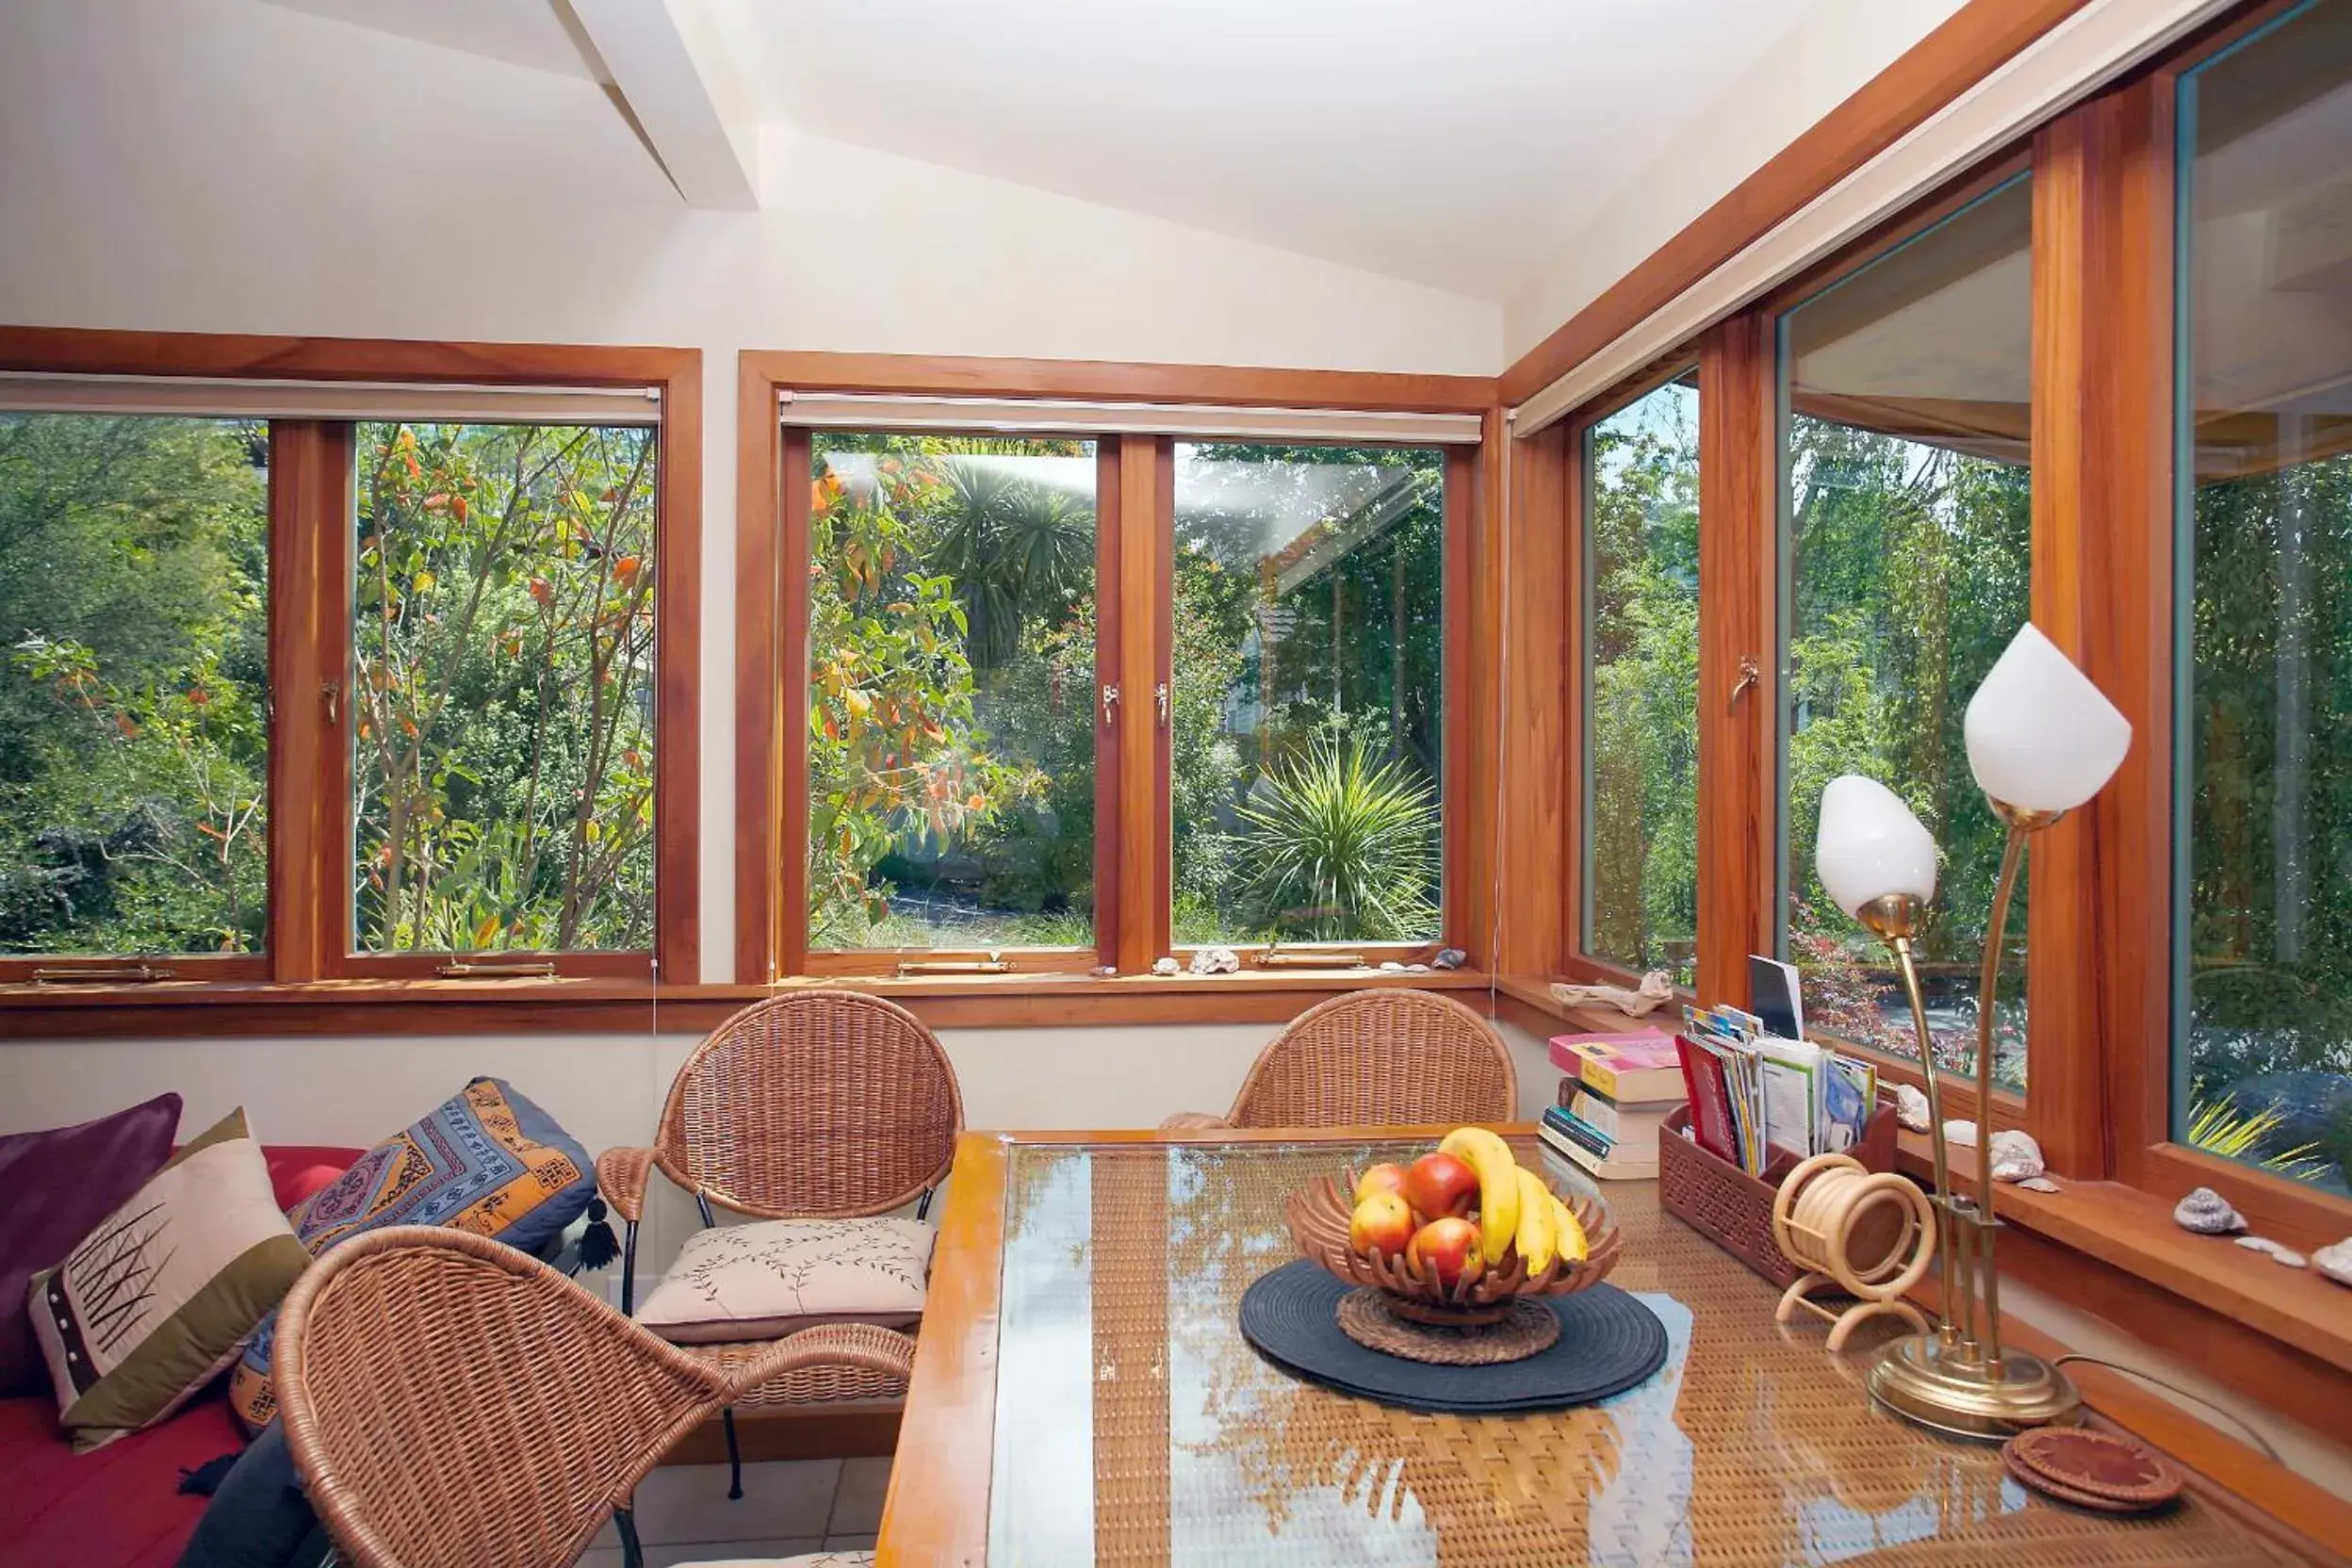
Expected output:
(597, 1245)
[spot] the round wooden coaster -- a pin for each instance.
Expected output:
(1527, 1329)
(2099, 1463)
(2033, 1480)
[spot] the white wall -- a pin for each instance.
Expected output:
(228, 166)
(1841, 46)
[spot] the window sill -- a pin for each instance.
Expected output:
(2282, 1336)
(437, 1006)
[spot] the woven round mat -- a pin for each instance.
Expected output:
(1528, 1327)
(2095, 1468)
(1607, 1342)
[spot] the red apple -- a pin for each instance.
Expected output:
(1382, 1222)
(1447, 1248)
(1439, 1185)
(1388, 1177)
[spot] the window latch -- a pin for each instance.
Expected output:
(1748, 677)
(331, 702)
(1110, 703)
(105, 974)
(1161, 691)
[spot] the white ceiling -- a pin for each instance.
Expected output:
(1457, 144)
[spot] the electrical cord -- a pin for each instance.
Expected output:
(2260, 1441)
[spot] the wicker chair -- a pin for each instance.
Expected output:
(817, 1104)
(451, 1401)
(1374, 1058)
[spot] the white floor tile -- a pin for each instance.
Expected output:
(681, 1504)
(857, 1500)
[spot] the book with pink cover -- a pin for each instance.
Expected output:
(1629, 1068)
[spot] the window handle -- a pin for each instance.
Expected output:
(1110, 702)
(1161, 690)
(1748, 677)
(331, 702)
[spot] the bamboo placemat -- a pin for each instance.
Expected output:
(1750, 1446)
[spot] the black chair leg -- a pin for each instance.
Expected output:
(625, 1521)
(734, 1457)
(628, 1268)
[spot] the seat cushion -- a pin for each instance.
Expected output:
(776, 1277)
(117, 1507)
(154, 1303)
(55, 1187)
(485, 1160)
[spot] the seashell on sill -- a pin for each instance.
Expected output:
(2275, 1251)
(2207, 1213)
(2335, 1262)
(2016, 1156)
(1911, 1106)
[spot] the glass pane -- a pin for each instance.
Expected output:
(1309, 620)
(951, 708)
(1641, 692)
(1906, 545)
(134, 684)
(1133, 1423)
(2263, 1065)
(502, 687)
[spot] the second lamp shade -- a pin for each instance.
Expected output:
(1870, 845)
(2040, 735)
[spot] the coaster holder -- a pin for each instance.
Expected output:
(1868, 1234)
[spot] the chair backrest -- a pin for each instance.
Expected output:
(1386, 1057)
(812, 1104)
(450, 1401)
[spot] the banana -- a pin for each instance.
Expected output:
(1573, 1244)
(1538, 1238)
(1498, 1188)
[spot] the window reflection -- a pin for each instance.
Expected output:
(2264, 971)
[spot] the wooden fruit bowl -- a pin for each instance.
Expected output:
(1318, 1215)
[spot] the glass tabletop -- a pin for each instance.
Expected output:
(1134, 1424)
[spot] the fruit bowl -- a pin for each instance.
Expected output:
(1318, 1215)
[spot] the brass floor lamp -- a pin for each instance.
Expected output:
(2042, 740)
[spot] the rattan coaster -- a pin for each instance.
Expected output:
(1525, 1329)
(2093, 1468)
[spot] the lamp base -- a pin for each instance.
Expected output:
(1920, 1380)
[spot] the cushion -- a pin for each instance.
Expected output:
(485, 1160)
(297, 1170)
(774, 1277)
(117, 1507)
(155, 1301)
(55, 1187)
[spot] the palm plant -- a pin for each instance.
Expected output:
(1344, 846)
(1018, 551)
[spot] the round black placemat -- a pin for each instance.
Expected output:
(1607, 1342)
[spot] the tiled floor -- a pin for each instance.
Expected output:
(788, 1507)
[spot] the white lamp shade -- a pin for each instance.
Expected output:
(2040, 735)
(1870, 845)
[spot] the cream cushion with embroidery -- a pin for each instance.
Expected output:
(776, 1277)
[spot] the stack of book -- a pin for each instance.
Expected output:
(1755, 1094)
(1615, 1092)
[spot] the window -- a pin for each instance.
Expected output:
(1641, 658)
(134, 685)
(1905, 411)
(503, 685)
(952, 692)
(1307, 753)
(2262, 963)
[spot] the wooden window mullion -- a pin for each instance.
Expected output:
(1135, 740)
(784, 757)
(310, 635)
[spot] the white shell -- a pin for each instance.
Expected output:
(1216, 960)
(1960, 1135)
(2207, 1213)
(2038, 1183)
(1911, 1106)
(1392, 966)
(2277, 1253)
(2335, 1262)
(2016, 1156)
(1163, 966)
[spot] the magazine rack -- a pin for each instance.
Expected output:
(1732, 1209)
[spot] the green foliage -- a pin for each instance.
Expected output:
(1343, 847)
(2218, 1127)
(132, 747)
(501, 687)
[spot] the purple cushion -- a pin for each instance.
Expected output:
(55, 1187)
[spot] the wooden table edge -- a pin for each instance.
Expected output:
(936, 1510)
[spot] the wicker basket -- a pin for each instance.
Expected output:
(1318, 1215)
(1734, 1209)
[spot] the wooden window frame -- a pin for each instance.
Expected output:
(310, 940)
(1134, 504)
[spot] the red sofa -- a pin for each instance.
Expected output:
(121, 1507)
